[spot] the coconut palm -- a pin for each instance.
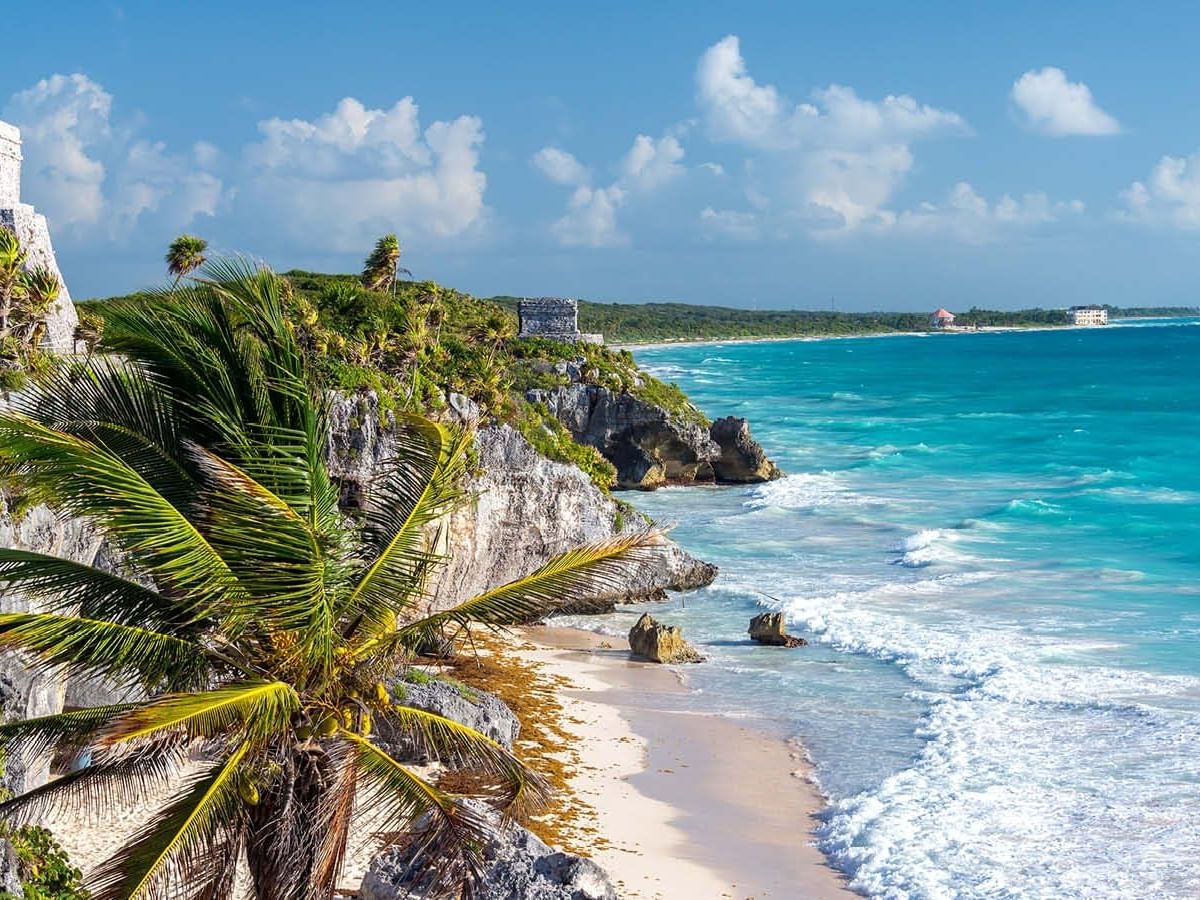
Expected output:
(262, 622)
(382, 267)
(12, 265)
(185, 255)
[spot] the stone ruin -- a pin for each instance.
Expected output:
(33, 233)
(556, 318)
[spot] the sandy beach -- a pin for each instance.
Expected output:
(689, 806)
(674, 805)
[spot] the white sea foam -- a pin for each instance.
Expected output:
(806, 490)
(1038, 779)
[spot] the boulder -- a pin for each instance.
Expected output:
(660, 643)
(767, 628)
(650, 446)
(484, 712)
(517, 865)
(742, 459)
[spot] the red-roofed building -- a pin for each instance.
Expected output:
(942, 319)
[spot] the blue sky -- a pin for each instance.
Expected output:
(875, 155)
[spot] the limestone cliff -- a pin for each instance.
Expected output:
(650, 446)
(34, 234)
(524, 509)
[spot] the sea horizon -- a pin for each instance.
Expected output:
(991, 545)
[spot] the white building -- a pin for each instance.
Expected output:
(1087, 315)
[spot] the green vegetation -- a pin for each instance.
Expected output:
(185, 255)
(382, 269)
(634, 323)
(1151, 312)
(46, 872)
(415, 341)
(26, 295)
(261, 621)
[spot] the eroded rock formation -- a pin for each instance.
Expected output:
(652, 447)
(517, 865)
(651, 640)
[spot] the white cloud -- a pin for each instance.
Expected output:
(591, 216)
(729, 223)
(560, 166)
(650, 163)
(1170, 196)
(591, 219)
(365, 171)
(1058, 107)
(88, 174)
(967, 216)
(834, 162)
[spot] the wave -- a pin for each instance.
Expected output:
(806, 490)
(1030, 768)
(927, 547)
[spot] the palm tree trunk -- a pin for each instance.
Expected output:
(286, 828)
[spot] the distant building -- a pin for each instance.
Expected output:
(941, 319)
(1087, 315)
(556, 318)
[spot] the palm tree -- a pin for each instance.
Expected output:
(185, 255)
(40, 289)
(263, 623)
(12, 264)
(382, 267)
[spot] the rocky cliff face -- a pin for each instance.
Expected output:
(36, 692)
(524, 509)
(649, 446)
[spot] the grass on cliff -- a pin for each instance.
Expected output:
(414, 345)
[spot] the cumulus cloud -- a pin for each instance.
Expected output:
(1055, 106)
(86, 172)
(833, 162)
(560, 166)
(591, 216)
(729, 223)
(968, 216)
(1169, 197)
(366, 171)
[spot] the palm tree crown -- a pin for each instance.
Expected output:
(262, 622)
(185, 255)
(382, 267)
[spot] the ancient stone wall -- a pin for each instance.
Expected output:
(34, 234)
(10, 165)
(553, 317)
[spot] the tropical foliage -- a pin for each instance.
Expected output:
(382, 267)
(262, 621)
(185, 255)
(26, 296)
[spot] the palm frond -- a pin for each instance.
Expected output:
(97, 647)
(417, 489)
(107, 782)
(66, 586)
(115, 404)
(36, 737)
(584, 572)
(333, 821)
(446, 834)
(82, 479)
(518, 789)
(182, 833)
(257, 708)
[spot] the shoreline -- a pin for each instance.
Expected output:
(774, 339)
(685, 805)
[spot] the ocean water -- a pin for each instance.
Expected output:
(992, 542)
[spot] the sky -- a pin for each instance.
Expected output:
(855, 155)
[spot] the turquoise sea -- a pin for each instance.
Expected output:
(992, 542)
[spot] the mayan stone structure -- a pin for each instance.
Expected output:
(556, 318)
(33, 233)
